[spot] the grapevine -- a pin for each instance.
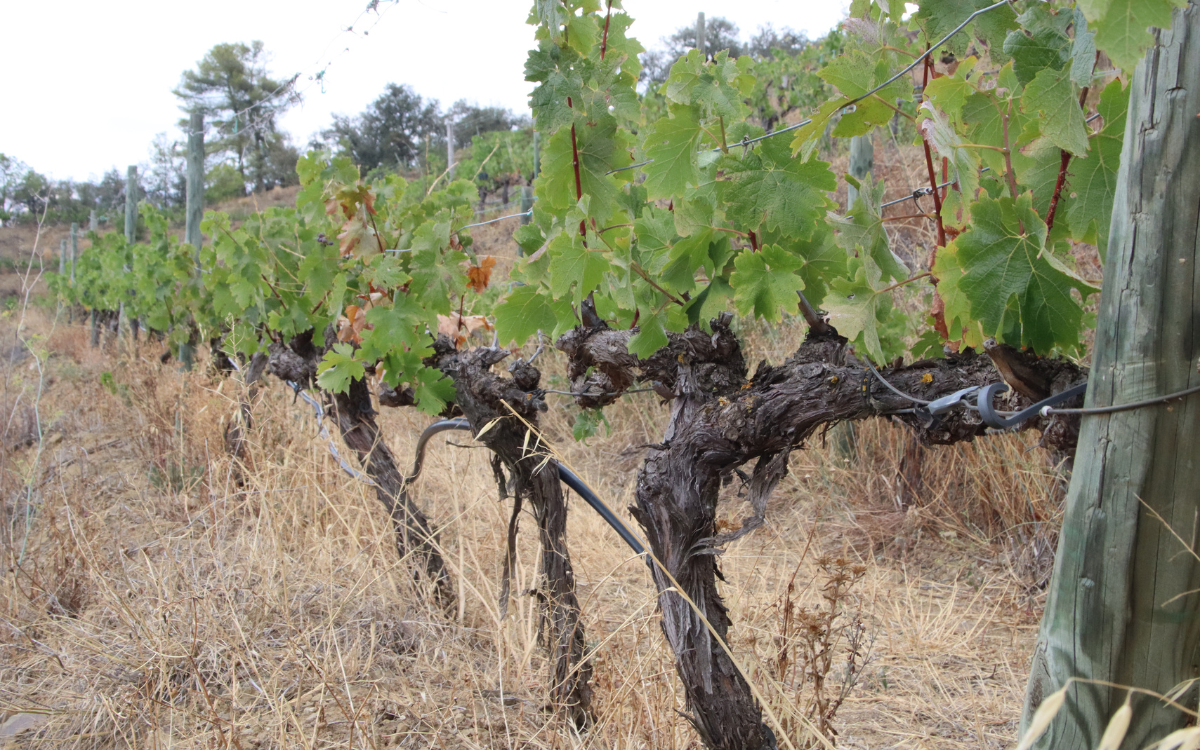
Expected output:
(661, 213)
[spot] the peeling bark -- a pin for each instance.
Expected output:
(720, 420)
(486, 398)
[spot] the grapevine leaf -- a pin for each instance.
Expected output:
(523, 313)
(957, 307)
(949, 93)
(710, 302)
(862, 230)
(399, 326)
(1122, 26)
(937, 130)
(1094, 179)
(1052, 94)
(1002, 263)
(599, 145)
(672, 146)
(1083, 52)
(1045, 49)
(767, 188)
(573, 264)
(433, 391)
(650, 336)
(852, 307)
(718, 86)
(765, 283)
(338, 368)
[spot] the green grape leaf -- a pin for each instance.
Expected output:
(572, 264)
(399, 326)
(524, 312)
(1037, 167)
(937, 130)
(672, 146)
(433, 391)
(1094, 179)
(1045, 49)
(1083, 51)
(767, 188)
(1052, 94)
(710, 302)
(600, 146)
(1122, 26)
(650, 336)
(718, 86)
(338, 368)
(862, 230)
(853, 305)
(950, 93)
(1002, 263)
(765, 283)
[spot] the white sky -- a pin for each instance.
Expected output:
(88, 84)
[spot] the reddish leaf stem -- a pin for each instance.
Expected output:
(939, 305)
(1062, 174)
(578, 181)
(933, 184)
(604, 41)
(753, 240)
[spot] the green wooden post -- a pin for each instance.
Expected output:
(537, 154)
(131, 198)
(1122, 604)
(700, 40)
(93, 222)
(74, 248)
(449, 149)
(194, 196)
(862, 160)
(194, 214)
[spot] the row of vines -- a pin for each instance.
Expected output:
(664, 219)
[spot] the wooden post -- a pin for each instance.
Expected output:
(71, 263)
(700, 34)
(194, 200)
(862, 160)
(130, 236)
(74, 248)
(537, 154)
(93, 222)
(1122, 604)
(449, 149)
(194, 214)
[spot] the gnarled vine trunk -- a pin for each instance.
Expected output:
(487, 399)
(721, 420)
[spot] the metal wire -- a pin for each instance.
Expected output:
(596, 395)
(493, 221)
(894, 389)
(1048, 410)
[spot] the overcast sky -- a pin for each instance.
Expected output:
(88, 84)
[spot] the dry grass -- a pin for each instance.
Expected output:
(151, 601)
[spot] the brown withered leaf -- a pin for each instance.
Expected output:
(459, 327)
(479, 276)
(351, 325)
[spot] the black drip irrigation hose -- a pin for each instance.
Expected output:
(570, 478)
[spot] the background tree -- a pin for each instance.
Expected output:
(390, 132)
(233, 89)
